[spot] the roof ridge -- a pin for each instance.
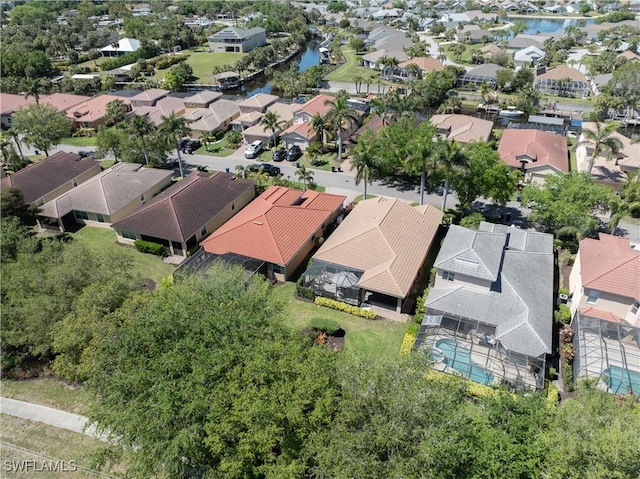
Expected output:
(264, 215)
(527, 321)
(619, 265)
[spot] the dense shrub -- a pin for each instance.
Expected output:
(149, 247)
(303, 291)
(420, 307)
(323, 324)
(568, 377)
(165, 61)
(123, 60)
(553, 395)
(472, 221)
(563, 291)
(564, 314)
(347, 308)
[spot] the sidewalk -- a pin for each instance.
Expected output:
(50, 416)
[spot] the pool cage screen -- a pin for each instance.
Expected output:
(472, 82)
(201, 261)
(478, 354)
(573, 88)
(609, 352)
(334, 281)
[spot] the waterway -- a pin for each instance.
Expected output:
(551, 25)
(309, 57)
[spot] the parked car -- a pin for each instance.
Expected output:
(271, 170)
(254, 149)
(182, 144)
(279, 155)
(192, 145)
(294, 153)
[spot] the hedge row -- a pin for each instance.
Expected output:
(149, 247)
(165, 61)
(303, 291)
(347, 308)
(123, 60)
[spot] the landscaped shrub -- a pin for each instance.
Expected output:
(347, 308)
(409, 338)
(149, 247)
(563, 291)
(328, 325)
(553, 395)
(303, 291)
(564, 314)
(568, 377)
(420, 307)
(165, 61)
(472, 221)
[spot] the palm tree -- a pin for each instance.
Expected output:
(304, 175)
(421, 154)
(261, 177)
(448, 159)
(12, 162)
(319, 125)
(313, 151)
(365, 160)
(175, 128)
(33, 87)
(116, 112)
(485, 90)
(271, 121)
(601, 140)
(242, 171)
(15, 136)
(142, 127)
(341, 116)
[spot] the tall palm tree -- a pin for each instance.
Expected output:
(365, 160)
(175, 128)
(420, 154)
(15, 136)
(142, 127)
(116, 112)
(601, 140)
(271, 121)
(448, 159)
(33, 87)
(304, 175)
(242, 171)
(341, 116)
(319, 125)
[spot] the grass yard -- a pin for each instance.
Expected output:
(107, 163)
(465, 58)
(29, 440)
(203, 63)
(351, 69)
(363, 336)
(102, 239)
(91, 64)
(48, 392)
(219, 148)
(79, 141)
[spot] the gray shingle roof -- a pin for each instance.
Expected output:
(520, 301)
(107, 192)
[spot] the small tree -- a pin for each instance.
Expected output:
(41, 125)
(304, 175)
(271, 121)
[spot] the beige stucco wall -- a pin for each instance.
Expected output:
(612, 303)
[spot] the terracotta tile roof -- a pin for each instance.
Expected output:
(388, 239)
(561, 72)
(629, 55)
(9, 102)
(424, 63)
(39, 179)
(181, 210)
(463, 128)
(94, 109)
(546, 148)
(217, 114)
(610, 265)
(63, 101)
(162, 108)
(302, 129)
(316, 105)
(274, 226)
(598, 313)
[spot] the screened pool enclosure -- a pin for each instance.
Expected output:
(334, 281)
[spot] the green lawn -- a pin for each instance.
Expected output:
(79, 141)
(48, 392)
(219, 148)
(29, 440)
(465, 58)
(379, 337)
(203, 63)
(102, 239)
(348, 71)
(91, 64)
(107, 163)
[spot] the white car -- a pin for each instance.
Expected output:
(254, 149)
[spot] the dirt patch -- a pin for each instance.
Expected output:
(334, 340)
(148, 284)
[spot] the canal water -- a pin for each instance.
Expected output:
(309, 57)
(551, 25)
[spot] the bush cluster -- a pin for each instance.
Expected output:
(303, 291)
(568, 377)
(165, 61)
(564, 314)
(322, 324)
(347, 308)
(553, 395)
(149, 247)
(123, 60)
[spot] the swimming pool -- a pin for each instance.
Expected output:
(620, 380)
(457, 357)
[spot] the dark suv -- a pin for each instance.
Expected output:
(266, 167)
(192, 145)
(279, 155)
(294, 153)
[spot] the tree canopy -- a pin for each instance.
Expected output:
(42, 126)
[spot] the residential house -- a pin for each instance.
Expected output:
(372, 60)
(536, 153)
(452, 20)
(239, 40)
(105, 198)
(299, 134)
(187, 212)
(316, 105)
(92, 113)
(148, 97)
(285, 114)
(376, 254)
(49, 178)
(121, 47)
(471, 34)
(202, 99)
(528, 57)
(490, 51)
(161, 109)
(629, 56)
(605, 304)
(216, 118)
(462, 128)
(425, 65)
(257, 103)
(63, 101)
(9, 104)
(600, 81)
(557, 9)
(562, 81)
(490, 312)
(485, 73)
(523, 40)
(374, 123)
(280, 227)
(384, 32)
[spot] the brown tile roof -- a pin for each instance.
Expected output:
(561, 72)
(213, 117)
(629, 55)
(463, 128)
(388, 239)
(426, 64)
(274, 226)
(9, 102)
(181, 210)
(39, 179)
(152, 94)
(283, 110)
(162, 108)
(63, 101)
(302, 129)
(491, 50)
(94, 109)
(610, 265)
(375, 124)
(316, 105)
(547, 148)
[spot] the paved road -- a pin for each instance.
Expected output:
(50, 416)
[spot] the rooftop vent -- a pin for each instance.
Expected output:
(259, 223)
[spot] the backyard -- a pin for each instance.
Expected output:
(351, 69)
(204, 62)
